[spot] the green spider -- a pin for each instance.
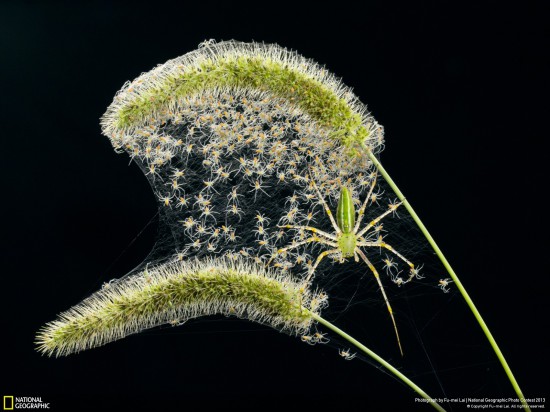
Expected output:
(348, 239)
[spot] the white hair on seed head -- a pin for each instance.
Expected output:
(155, 91)
(176, 292)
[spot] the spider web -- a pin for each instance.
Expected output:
(231, 177)
(231, 169)
(354, 295)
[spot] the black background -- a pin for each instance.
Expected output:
(459, 89)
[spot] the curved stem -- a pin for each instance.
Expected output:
(378, 359)
(453, 275)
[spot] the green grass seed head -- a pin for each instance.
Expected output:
(262, 70)
(175, 292)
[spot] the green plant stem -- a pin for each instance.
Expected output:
(378, 359)
(453, 275)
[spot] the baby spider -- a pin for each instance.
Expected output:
(256, 187)
(209, 185)
(177, 173)
(346, 354)
(234, 196)
(261, 219)
(166, 199)
(444, 283)
(260, 231)
(182, 201)
(208, 212)
(390, 266)
(348, 239)
(174, 185)
(234, 210)
(320, 337)
(310, 340)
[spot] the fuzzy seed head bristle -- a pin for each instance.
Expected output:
(252, 71)
(176, 292)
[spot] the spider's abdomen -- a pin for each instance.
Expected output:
(345, 213)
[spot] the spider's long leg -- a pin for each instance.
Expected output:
(388, 247)
(377, 276)
(319, 258)
(311, 229)
(378, 219)
(308, 240)
(361, 212)
(325, 206)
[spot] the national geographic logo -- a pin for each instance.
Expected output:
(24, 402)
(8, 403)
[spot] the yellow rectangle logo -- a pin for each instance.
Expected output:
(8, 403)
